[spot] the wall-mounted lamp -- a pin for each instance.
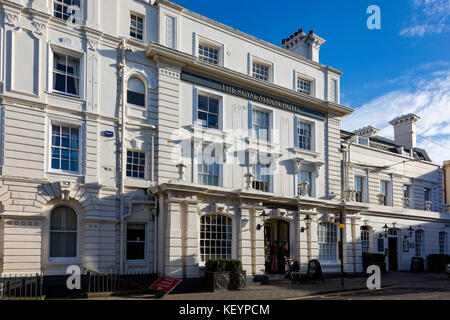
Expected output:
(410, 232)
(385, 229)
(263, 216)
(308, 221)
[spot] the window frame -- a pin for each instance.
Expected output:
(362, 138)
(66, 75)
(419, 245)
(311, 137)
(428, 193)
(334, 235)
(363, 187)
(312, 184)
(443, 242)
(229, 219)
(198, 39)
(57, 48)
(59, 258)
(139, 165)
(137, 15)
(203, 58)
(365, 235)
(202, 92)
(269, 114)
(261, 164)
(61, 3)
(387, 196)
(140, 78)
(311, 86)
(199, 154)
(145, 241)
(257, 62)
(50, 121)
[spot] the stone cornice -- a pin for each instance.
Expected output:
(406, 216)
(192, 63)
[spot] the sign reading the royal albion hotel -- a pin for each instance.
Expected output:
(250, 95)
(260, 98)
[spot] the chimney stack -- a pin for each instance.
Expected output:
(306, 45)
(405, 130)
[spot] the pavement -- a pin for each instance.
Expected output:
(436, 284)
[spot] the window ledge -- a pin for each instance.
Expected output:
(261, 144)
(296, 150)
(136, 263)
(65, 96)
(65, 174)
(330, 263)
(137, 183)
(62, 261)
(207, 134)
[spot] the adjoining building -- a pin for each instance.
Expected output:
(141, 136)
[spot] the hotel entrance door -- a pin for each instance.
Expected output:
(276, 234)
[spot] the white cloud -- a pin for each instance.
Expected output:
(429, 98)
(429, 16)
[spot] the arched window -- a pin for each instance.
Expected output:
(136, 92)
(63, 233)
(443, 240)
(327, 241)
(419, 234)
(215, 237)
(365, 238)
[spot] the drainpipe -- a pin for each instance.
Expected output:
(122, 150)
(155, 228)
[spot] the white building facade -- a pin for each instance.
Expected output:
(140, 136)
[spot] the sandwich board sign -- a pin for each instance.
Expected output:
(164, 285)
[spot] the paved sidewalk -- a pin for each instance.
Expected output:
(282, 291)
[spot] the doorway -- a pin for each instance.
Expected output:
(277, 232)
(393, 259)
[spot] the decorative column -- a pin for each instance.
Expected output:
(258, 243)
(352, 256)
(191, 242)
(303, 242)
(173, 260)
(245, 239)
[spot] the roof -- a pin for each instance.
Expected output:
(390, 145)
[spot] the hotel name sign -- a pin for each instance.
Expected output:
(251, 95)
(260, 98)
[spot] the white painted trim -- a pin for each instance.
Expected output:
(81, 55)
(252, 58)
(263, 108)
(50, 119)
(198, 38)
(135, 263)
(144, 24)
(215, 94)
(312, 123)
(175, 30)
(303, 76)
(62, 263)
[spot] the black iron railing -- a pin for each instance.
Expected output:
(21, 287)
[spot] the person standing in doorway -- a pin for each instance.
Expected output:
(274, 257)
(284, 255)
(267, 256)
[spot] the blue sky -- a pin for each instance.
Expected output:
(403, 67)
